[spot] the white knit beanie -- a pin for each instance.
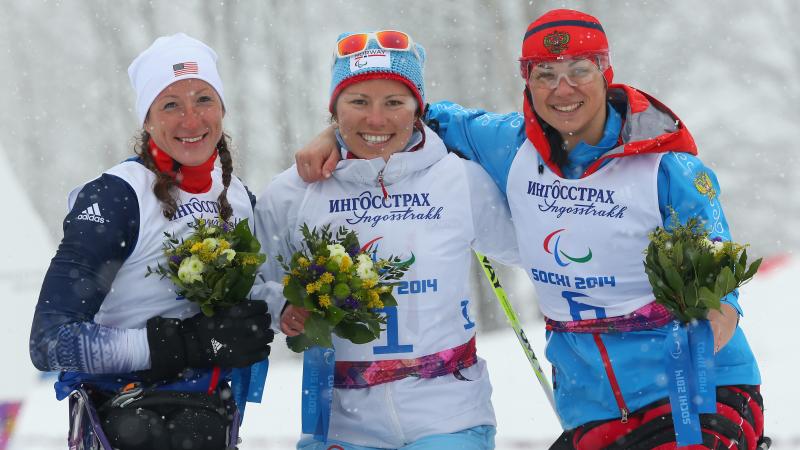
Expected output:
(170, 59)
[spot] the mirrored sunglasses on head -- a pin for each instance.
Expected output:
(386, 39)
(575, 71)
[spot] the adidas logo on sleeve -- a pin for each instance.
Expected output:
(92, 214)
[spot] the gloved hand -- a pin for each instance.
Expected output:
(237, 336)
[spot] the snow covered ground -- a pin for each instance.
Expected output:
(523, 413)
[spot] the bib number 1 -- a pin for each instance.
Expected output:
(392, 336)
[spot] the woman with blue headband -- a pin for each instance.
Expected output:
(421, 384)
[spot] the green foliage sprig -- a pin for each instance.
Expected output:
(690, 273)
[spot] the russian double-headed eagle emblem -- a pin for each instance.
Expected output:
(702, 182)
(556, 42)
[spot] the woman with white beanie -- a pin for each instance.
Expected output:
(421, 384)
(135, 360)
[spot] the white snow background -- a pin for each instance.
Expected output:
(727, 68)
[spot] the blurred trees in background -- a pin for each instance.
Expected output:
(726, 68)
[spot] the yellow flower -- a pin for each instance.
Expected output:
(196, 248)
(373, 295)
(311, 288)
(321, 260)
(250, 260)
(369, 283)
(325, 301)
(326, 278)
(286, 279)
(346, 263)
(295, 272)
(374, 300)
(303, 262)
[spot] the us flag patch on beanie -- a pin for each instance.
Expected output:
(184, 68)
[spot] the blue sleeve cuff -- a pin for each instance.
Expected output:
(733, 300)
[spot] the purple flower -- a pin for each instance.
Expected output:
(353, 251)
(319, 270)
(175, 259)
(716, 239)
(225, 227)
(351, 303)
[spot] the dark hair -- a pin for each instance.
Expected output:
(558, 152)
(164, 183)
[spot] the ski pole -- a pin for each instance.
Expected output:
(511, 315)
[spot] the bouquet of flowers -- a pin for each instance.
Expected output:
(341, 285)
(690, 273)
(215, 266)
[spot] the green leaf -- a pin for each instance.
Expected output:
(334, 315)
(240, 282)
(741, 265)
(355, 332)
(299, 343)
(752, 270)
(294, 293)
(677, 254)
(704, 268)
(388, 300)
(709, 299)
(695, 314)
(246, 242)
(690, 295)
(726, 282)
(207, 309)
(671, 275)
(318, 330)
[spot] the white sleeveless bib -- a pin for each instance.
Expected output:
(133, 299)
(584, 240)
(426, 217)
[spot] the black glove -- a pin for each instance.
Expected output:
(237, 336)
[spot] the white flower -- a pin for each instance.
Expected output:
(191, 270)
(229, 253)
(364, 260)
(212, 230)
(210, 244)
(716, 246)
(366, 272)
(337, 252)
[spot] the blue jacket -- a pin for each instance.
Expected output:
(493, 140)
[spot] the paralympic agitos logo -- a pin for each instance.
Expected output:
(371, 249)
(562, 258)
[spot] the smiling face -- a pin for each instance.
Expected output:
(578, 112)
(185, 121)
(376, 117)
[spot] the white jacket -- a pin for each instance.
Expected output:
(438, 208)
